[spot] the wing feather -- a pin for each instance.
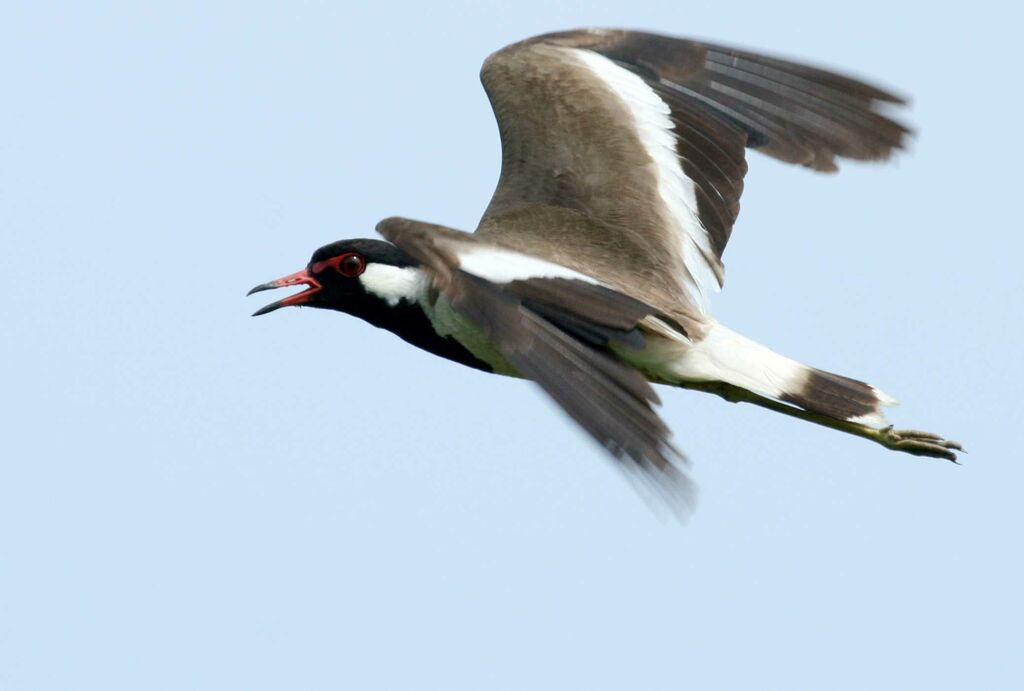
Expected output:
(554, 332)
(585, 117)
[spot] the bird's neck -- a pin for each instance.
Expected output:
(394, 299)
(409, 322)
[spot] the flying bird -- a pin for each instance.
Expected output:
(591, 268)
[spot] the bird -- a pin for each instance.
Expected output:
(623, 157)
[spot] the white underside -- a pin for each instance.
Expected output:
(726, 356)
(722, 355)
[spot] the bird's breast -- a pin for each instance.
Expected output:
(450, 323)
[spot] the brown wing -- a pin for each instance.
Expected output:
(572, 143)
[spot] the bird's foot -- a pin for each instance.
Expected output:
(918, 443)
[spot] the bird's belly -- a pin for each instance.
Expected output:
(659, 359)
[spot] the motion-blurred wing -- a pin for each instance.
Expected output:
(556, 328)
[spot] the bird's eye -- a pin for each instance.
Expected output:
(351, 265)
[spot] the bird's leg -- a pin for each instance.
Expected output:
(906, 440)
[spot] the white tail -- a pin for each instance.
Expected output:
(726, 356)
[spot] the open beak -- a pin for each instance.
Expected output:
(298, 278)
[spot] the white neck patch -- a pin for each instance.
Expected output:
(392, 284)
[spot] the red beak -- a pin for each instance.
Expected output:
(298, 278)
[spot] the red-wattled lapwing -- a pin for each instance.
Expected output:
(589, 273)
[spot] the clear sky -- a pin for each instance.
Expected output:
(193, 499)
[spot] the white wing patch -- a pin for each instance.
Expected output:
(504, 266)
(654, 126)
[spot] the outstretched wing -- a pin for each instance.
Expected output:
(626, 149)
(557, 329)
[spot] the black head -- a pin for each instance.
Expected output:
(335, 276)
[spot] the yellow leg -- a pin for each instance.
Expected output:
(909, 441)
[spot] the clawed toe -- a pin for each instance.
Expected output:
(920, 443)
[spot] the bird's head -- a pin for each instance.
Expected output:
(354, 276)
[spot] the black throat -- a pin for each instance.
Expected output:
(409, 322)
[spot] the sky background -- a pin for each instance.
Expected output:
(194, 499)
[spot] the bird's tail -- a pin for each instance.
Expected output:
(726, 356)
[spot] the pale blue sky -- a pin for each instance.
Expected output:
(193, 499)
